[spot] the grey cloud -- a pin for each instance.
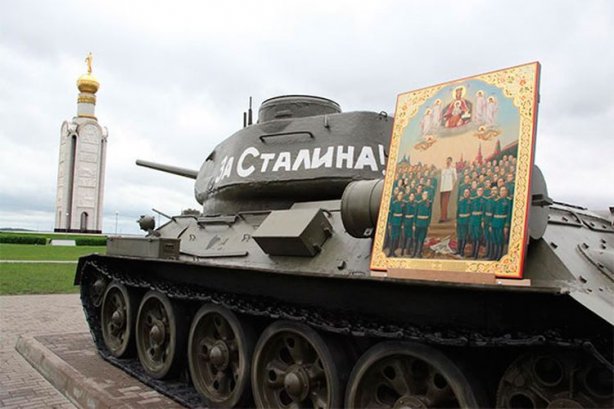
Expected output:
(175, 79)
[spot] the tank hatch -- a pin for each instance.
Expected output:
(296, 106)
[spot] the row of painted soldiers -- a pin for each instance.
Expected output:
(486, 185)
(416, 179)
(483, 220)
(409, 219)
(407, 186)
(416, 172)
(491, 169)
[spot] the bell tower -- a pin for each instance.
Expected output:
(83, 146)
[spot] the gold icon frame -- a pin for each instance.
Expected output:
(520, 84)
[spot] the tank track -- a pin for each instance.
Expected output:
(342, 324)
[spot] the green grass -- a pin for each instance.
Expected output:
(24, 278)
(34, 252)
(50, 235)
(40, 278)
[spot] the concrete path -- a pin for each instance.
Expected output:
(54, 336)
(20, 385)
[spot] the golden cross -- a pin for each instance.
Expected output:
(89, 60)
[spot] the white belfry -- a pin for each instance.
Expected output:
(83, 146)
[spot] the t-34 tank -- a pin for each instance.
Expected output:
(266, 298)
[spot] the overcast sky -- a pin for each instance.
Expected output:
(176, 76)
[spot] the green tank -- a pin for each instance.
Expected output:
(265, 298)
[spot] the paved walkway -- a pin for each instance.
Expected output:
(55, 325)
(20, 385)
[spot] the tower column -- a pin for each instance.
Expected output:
(82, 163)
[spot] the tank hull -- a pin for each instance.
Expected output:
(483, 327)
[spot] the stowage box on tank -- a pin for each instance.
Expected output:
(266, 298)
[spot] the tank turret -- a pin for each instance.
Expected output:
(302, 148)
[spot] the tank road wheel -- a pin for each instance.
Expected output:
(556, 380)
(219, 355)
(294, 367)
(97, 285)
(160, 335)
(408, 375)
(118, 314)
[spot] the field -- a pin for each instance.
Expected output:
(35, 252)
(59, 236)
(40, 277)
(27, 278)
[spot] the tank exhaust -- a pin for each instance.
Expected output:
(249, 112)
(248, 116)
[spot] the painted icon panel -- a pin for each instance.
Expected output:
(457, 185)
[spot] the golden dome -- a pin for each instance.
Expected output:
(88, 83)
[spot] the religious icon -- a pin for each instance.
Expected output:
(456, 192)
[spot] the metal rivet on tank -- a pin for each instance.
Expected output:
(553, 244)
(341, 265)
(565, 219)
(584, 245)
(602, 241)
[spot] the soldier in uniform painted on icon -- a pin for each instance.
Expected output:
(463, 212)
(476, 221)
(466, 184)
(509, 184)
(491, 199)
(423, 221)
(412, 186)
(428, 187)
(395, 219)
(502, 214)
(409, 220)
(474, 189)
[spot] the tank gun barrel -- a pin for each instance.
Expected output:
(188, 173)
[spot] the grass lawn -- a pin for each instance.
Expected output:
(50, 235)
(24, 278)
(40, 278)
(34, 252)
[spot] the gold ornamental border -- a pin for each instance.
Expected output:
(518, 83)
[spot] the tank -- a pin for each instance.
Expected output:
(265, 298)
